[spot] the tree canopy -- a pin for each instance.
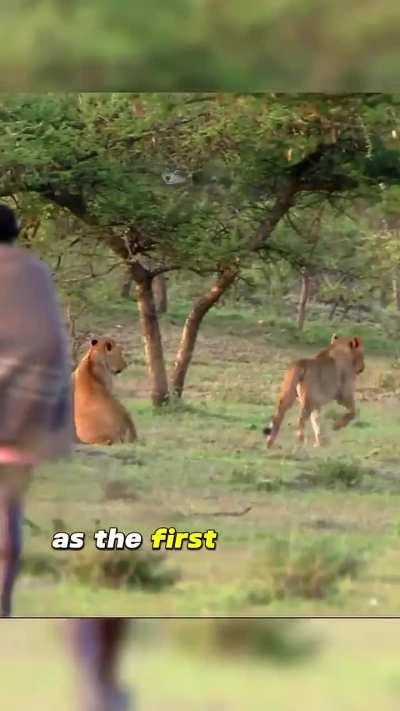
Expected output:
(210, 183)
(193, 179)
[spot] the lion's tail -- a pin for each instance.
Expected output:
(293, 376)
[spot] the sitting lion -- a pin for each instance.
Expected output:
(329, 375)
(98, 415)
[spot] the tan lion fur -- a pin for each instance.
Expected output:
(99, 417)
(328, 376)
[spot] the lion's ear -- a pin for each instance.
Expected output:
(334, 338)
(355, 343)
(94, 342)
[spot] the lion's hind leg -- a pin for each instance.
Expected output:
(305, 413)
(349, 404)
(131, 433)
(316, 425)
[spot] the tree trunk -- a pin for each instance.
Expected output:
(126, 286)
(396, 288)
(383, 297)
(333, 310)
(76, 338)
(192, 325)
(152, 342)
(71, 324)
(160, 293)
(304, 294)
(346, 310)
(282, 205)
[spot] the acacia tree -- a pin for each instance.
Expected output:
(189, 182)
(325, 248)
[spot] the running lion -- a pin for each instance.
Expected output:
(329, 375)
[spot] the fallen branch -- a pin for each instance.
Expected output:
(241, 512)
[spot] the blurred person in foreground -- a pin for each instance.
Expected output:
(97, 646)
(35, 400)
(36, 426)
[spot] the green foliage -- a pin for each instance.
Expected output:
(339, 472)
(311, 568)
(245, 475)
(108, 569)
(282, 642)
(41, 565)
(116, 569)
(200, 45)
(388, 380)
(93, 169)
(104, 157)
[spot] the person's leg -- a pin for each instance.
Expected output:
(97, 646)
(13, 484)
(10, 549)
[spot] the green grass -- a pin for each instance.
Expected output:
(193, 672)
(203, 464)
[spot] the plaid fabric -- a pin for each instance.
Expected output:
(35, 398)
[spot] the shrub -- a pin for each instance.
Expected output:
(388, 380)
(311, 568)
(41, 565)
(279, 640)
(120, 568)
(119, 490)
(333, 472)
(247, 474)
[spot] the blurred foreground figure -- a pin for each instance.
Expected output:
(35, 423)
(97, 647)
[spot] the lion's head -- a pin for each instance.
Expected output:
(109, 352)
(356, 348)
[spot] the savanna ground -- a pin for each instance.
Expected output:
(196, 677)
(301, 531)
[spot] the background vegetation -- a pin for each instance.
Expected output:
(228, 235)
(297, 45)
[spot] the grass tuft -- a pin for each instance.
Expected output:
(299, 568)
(121, 569)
